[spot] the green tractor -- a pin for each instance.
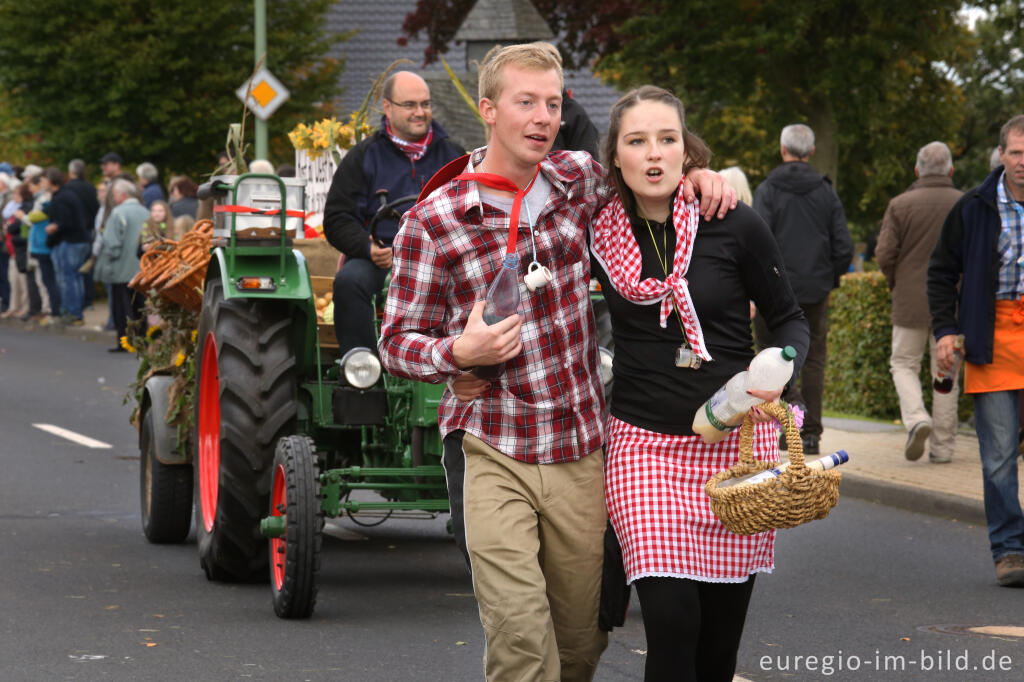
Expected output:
(285, 429)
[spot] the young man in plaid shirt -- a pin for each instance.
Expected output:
(533, 483)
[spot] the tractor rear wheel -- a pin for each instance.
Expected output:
(295, 556)
(166, 491)
(245, 401)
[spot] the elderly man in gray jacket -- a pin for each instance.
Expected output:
(910, 228)
(119, 256)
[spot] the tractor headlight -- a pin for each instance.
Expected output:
(361, 367)
(606, 366)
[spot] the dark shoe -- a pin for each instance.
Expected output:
(916, 440)
(1010, 570)
(117, 349)
(811, 446)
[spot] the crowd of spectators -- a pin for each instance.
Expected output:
(55, 232)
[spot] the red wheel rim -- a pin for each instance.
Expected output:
(278, 545)
(209, 432)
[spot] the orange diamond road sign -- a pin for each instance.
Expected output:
(266, 95)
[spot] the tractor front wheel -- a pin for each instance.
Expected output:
(245, 402)
(295, 556)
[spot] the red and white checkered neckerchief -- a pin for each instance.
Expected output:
(414, 150)
(615, 247)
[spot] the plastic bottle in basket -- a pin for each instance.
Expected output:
(821, 464)
(770, 370)
(502, 301)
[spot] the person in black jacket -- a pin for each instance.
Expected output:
(576, 131)
(86, 193)
(807, 219)
(68, 239)
(395, 162)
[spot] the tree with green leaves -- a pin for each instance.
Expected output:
(992, 76)
(866, 76)
(155, 81)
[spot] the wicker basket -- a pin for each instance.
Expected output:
(185, 286)
(152, 264)
(798, 495)
(176, 270)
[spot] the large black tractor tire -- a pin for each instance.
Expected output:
(165, 491)
(295, 556)
(245, 401)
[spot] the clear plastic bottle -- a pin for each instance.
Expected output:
(502, 301)
(770, 370)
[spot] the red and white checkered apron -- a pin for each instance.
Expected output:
(654, 489)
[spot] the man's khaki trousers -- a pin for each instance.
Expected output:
(535, 534)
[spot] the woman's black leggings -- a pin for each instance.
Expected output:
(693, 628)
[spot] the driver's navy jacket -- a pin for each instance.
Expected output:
(375, 164)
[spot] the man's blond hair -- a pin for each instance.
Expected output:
(539, 56)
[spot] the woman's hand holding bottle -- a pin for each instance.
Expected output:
(768, 396)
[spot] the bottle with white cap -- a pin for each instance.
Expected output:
(770, 370)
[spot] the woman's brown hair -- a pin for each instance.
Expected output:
(697, 154)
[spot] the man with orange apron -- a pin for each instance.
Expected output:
(982, 241)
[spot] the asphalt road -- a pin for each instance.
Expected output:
(83, 596)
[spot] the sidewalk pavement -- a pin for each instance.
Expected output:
(93, 328)
(877, 470)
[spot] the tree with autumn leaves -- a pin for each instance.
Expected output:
(875, 80)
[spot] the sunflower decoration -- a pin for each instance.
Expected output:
(329, 134)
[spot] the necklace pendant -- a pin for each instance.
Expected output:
(685, 357)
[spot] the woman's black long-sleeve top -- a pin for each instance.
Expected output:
(735, 260)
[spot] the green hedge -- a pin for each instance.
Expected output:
(857, 378)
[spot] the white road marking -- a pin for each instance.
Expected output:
(72, 436)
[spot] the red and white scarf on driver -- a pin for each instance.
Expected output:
(414, 150)
(615, 247)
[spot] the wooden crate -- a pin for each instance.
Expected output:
(324, 331)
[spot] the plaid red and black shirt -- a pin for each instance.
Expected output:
(547, 405)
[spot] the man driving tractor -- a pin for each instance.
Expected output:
(398, 159)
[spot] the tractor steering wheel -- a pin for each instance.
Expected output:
(387, 210)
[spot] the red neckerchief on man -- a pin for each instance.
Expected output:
(414, 150)
(500, 182)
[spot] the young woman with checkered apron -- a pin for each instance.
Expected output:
(678, 288)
